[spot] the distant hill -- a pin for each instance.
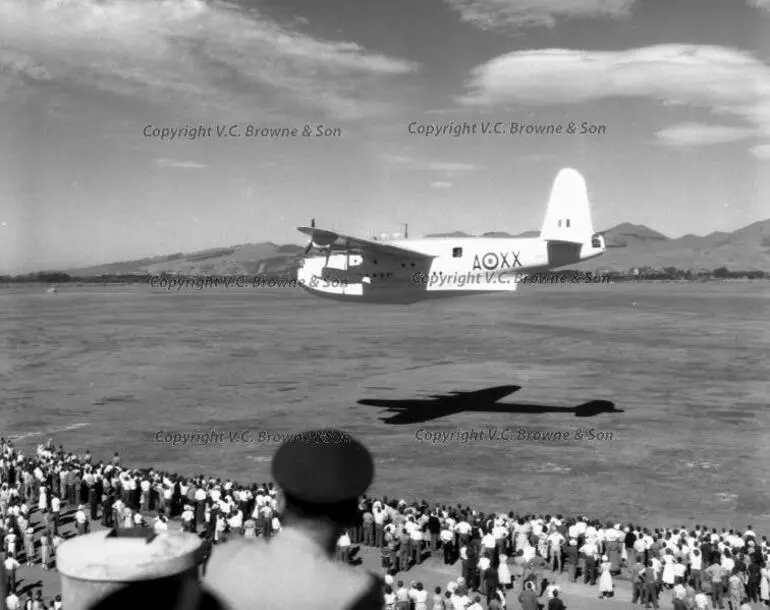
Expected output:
(630, 246)
(245, 259)
(488, 234)
(453, 234)
(627, 234)
(746, 249)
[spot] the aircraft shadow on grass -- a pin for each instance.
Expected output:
(421, 410)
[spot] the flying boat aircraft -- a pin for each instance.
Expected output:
(348, 268)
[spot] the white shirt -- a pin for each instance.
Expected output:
(460, 603)
(528, 553)
(550, 589)
(344, 541)
(463, 527)
(379, 515)
(589, 549)
(12, 602)
(701, 601)
(556, 540)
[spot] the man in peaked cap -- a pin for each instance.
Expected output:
(321, 476)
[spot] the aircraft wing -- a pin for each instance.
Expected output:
(488, 395)
(342, 241)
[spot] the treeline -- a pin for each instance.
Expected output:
(674, 273)
(643, 273)
(122, 278)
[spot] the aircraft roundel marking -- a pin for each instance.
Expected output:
(490, 261)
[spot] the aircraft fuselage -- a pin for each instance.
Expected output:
(460, 266)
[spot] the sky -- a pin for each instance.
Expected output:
(677, 91)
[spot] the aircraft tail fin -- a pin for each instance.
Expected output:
(568, 215)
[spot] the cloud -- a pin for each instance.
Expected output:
(177, 164)
(216, 55)
(447, 168)
(764, 4)
(691, 134)
(21, 65)
(17, 69)
(451, 168)
(441, 184)
(761, 151)
(499, 14)
(728, 81)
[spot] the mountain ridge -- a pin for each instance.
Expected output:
(631, 245)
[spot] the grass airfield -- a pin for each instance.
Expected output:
(109, 368)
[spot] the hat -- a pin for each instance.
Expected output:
(323, 467)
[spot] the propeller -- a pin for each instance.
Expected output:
(309, 246)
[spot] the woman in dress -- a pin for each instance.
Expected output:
(605, 580)
(669, 574)
(45, 549)
(764, 587)
(249, 528)
(42, 501)
(504, 573)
